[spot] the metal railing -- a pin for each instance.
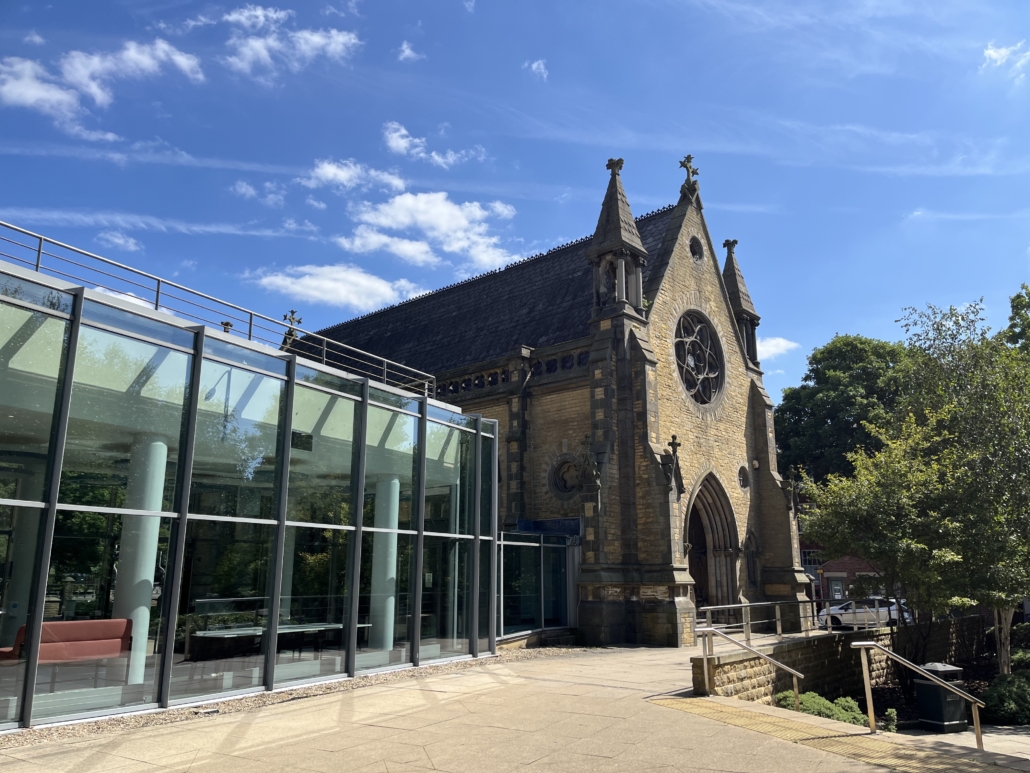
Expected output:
(747, 621)
(706, 647)
(864, 646)
(63, 261)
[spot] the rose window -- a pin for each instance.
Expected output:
(698, 357)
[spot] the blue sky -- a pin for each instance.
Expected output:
(338, 157)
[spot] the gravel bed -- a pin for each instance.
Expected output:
(116, 724)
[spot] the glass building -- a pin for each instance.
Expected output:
(187, 513)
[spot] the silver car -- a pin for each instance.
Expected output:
(864, 613)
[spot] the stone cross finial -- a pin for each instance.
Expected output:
(729, 244)
(292, 318)
(688, 164)
(614, 165)
(675, 446)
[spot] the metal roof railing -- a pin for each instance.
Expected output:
(63, 261)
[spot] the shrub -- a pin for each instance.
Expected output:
(842, 709)
(889, 723)
(1021, 660)
(1021, 636)
(1008, 699)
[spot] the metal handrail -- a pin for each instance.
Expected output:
(705, 646)
(867, 645)
(156, 290)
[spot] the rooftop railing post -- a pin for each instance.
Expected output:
(779, 624)
(868, 690)
(324, 345)
(250, 326)
(39, 253)
(157, 296)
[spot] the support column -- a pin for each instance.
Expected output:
(638, 282)
(384, 563)
(620, 279)
(24, 543)
(286, 591)
(137, 555)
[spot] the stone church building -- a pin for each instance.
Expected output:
(624, 373)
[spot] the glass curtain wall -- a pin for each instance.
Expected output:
(533, 583)
(224, 517)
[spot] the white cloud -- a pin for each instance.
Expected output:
(538, 68)
(343, 284)
(260, 47)
(255, 17)
(1015, 57)
(470, 5)
(187, 26)
(348, 174)
(459, 229)
(34, 38)
(770, 348)
(311, 201)
(307, 226)
(24, 83)
(400, 141)
(407, 53)
(502, 210)
(368, 239)
(89, 73)
(244, 190)
(119, 241)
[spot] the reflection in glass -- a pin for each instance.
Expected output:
(103, 617)
(127, 413)
(385, 599)
(223, 608)
(312, 638)
(488, 475)
(486, 548)
(32, 348)
(391, 464)
(238, 424)
(446, 597)
(29, 292)
(323, 458)
(450, 487)
(19, 540)
(555, 600)
(521, 588)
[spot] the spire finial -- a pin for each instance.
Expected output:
(688, 164)
(730, 245)
(614, 165)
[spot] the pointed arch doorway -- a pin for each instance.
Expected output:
(713, 545)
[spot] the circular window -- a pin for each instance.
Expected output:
(743, 478)
(564, 479)
(697, 250)
(698, 357)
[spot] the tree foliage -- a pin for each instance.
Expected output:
(940, 502)
(852, 381)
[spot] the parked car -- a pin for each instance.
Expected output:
(863, 612)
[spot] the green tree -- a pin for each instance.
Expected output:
(851, 381)
(1018, 332)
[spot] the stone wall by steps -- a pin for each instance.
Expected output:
(830, 665)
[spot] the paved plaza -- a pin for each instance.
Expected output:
(605, 710)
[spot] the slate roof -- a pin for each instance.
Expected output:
(540, 301)
(740, 299)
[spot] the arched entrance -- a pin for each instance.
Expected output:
(712, 536)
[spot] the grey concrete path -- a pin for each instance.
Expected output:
(585, 712)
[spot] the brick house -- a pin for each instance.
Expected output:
(837, 576)
(623, 370)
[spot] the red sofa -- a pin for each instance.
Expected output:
(68, 641)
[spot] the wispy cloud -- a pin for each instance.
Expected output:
(128, 221)
(260, 47)
(28, 84)
(398, 140)
(538, 68)
(118, 241)
(34, 39)
(273, 196)
(342, 285)
(407, 54)
(311, 201)
(1012, 59)
(470, 5)
(773, 347)
(349, 174)
(929, 214)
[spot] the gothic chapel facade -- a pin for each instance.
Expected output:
(624, 373)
